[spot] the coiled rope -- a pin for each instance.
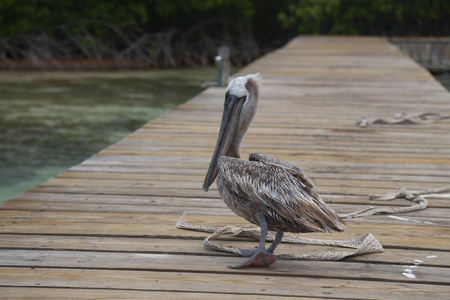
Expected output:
(401, 118)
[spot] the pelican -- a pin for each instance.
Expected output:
(267, 192)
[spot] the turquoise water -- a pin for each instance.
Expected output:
(50, 121)
(444, 79)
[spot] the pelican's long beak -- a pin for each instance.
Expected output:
(230, 120)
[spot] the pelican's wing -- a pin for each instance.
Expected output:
(309, 186)
(283, 188)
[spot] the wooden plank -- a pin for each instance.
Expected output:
(357, 202)
(189, 184)
(430, 217)
(202, 162)
(114, 293)
(188, 193)
(325, 168)
(214, 264)
(396, 256)
(425, 236)
(219, 283)
(379, 180)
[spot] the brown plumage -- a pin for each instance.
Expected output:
(265, 191)
(281, 192)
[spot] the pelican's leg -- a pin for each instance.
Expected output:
(276, 241)
(259, 256)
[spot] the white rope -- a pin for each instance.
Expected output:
(401, 118)
(363, 245)
(401, 193)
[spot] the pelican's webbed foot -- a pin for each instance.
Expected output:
(257, 258)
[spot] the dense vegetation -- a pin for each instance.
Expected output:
(155, 33)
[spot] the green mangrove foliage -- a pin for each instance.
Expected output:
(160, 33)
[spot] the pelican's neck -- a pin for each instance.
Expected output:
(246, 117)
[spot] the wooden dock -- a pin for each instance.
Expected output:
(106, 228)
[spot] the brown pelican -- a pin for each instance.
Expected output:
(267, 192)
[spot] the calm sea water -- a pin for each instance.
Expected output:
(50, 121)
(444, 79)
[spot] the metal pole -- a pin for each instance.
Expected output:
(223, 58)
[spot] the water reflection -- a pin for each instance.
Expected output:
(50, 121)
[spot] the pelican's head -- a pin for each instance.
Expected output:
(241, 102)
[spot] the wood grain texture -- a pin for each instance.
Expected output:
(106, 227)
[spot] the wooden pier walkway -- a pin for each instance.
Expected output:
(106, 228)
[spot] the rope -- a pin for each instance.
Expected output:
(364, 245)
(402, 193)
(401, 118)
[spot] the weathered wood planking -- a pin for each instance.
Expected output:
(106, 228)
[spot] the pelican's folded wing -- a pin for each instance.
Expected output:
(281, 187)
